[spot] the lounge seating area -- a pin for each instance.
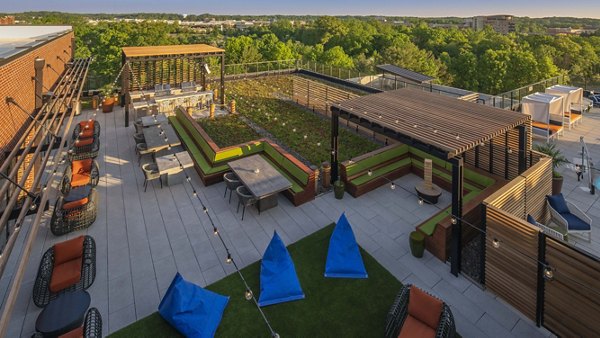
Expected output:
(79, 173)
(377, 168)
(210, 161)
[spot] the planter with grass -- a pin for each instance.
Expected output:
(558, 160)
(417, 243)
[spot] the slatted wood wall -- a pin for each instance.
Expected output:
(498, 154)
(511, 269)
(572, 298)
(317, 95)
(171, 71)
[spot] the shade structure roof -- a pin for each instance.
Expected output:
(450, 125)
(196, 49)
(405, 73)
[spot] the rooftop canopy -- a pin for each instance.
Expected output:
(132, 52)
(447, 125)
(405, 73)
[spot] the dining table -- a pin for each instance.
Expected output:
(171, 166)
(153, 120)
(156, 142)
(261, 178)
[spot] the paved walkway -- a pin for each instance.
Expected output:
(144, 238)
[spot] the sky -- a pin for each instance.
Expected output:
(428, 8)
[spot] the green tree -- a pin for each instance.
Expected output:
(242, 49)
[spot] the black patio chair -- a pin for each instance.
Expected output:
(245, 198)
(60, 259)
(231, 183)
(75, 215)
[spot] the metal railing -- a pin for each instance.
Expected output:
(512, 99)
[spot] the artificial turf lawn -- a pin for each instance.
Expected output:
(333, 307)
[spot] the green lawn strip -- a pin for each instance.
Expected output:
(332, 308)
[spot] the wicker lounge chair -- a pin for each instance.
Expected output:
(84, 148)
(569, 217)
(74, 215)
(92, 326)
(66, 266)
(86, 129)
(79, 173)
(418, 314)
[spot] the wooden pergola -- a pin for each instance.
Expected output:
(172, 65)
(444, 127)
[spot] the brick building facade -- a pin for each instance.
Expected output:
(17, 81)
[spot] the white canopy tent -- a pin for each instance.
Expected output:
(572, 100)
(546, 112)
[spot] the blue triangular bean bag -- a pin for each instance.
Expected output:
(278, 279)
(192, 310)
(343, 257)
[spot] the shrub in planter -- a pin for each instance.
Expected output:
(557, 160)
(338, 189)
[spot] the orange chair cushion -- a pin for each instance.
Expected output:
(84, 142)
(88, 124)
(79, 180)
(414, 328)
(68, 250)
(77, 333)
(85, 133)
(424, 307)
(75, 204)
(81, 172)
(65, 275)
(82, 166)
(552, 127)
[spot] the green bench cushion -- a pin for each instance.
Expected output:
(282, 161)
(445, 176)
(234, 153)
(296, 188)
(373, 161)
(429, 226)
(194, 151)
(208, 151)
(381, 171)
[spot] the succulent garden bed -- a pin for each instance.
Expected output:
(308, 134)
(228, 130)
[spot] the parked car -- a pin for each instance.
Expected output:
(595, 100)
(588, 93)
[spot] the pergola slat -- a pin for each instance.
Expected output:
(439, 119)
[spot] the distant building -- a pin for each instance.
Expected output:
(7, 20)
(502, 24)
(570, 31)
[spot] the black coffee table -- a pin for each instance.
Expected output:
(78, 193)
(63, 314)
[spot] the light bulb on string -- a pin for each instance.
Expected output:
(454, 220)
(248, 295)
(229, 259)
(496, 243)
(393, 186)
(420, 201)
(370, 172)
(215, 231)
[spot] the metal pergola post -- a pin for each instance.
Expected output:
(335, 126)
(222, 89)
(457, 199)
(522, 148)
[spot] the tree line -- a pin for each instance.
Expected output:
(483, 61)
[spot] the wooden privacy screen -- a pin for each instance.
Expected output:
(511, 268)
(572, 298)
(172, 71)
(318, 96)
(497, 152)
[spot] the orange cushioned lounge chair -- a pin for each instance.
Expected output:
(418, 314)
(79, 173)
(66, 266)
(74, 215)
(92, 326)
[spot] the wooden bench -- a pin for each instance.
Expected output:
(386, 164)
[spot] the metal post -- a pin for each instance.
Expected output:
(457, 199)
(335, 121)
(539, 306)
(125, 87)
(522, 152)
(222, 79)
(506, 154)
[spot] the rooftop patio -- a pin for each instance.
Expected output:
(144, 238)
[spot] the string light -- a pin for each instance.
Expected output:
(370, 172)
(548, 273)
(496, 243)
(229, 260)
(393, 186)
(420, 201)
